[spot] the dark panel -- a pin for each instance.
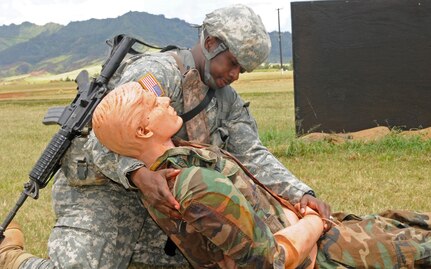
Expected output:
(360, 64)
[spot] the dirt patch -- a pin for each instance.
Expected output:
(425, 134)
(10, 95)
(367, 135)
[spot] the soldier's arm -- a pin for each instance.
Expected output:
(245, 144)
(132, 174)
(114, 166)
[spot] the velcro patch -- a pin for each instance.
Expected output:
(150, 83)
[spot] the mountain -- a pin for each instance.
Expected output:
(56, 48)
(15, 34)
(286, 47)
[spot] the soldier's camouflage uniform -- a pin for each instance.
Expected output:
(103, 221)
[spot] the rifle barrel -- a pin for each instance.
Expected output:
(12, 214)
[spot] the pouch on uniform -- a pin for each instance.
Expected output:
(78, 166)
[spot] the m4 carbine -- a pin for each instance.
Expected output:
(74, 119)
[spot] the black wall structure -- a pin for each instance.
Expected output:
(361, 64)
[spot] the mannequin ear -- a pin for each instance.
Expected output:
(143, 132)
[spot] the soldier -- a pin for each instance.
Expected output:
(99, 215)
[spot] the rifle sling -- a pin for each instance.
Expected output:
(193, 112)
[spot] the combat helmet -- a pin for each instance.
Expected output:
(242, 32)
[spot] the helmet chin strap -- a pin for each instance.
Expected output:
(208, 79)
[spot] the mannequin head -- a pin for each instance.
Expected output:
(133, 122)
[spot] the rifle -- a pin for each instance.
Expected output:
(73, 121)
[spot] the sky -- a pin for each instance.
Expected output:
(192, 11)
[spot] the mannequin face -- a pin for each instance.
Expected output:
(162, 119)
(133, 122)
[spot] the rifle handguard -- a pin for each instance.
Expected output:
(45, 166)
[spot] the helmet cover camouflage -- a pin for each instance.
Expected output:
(242, 31)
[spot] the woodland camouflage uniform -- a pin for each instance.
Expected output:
(213, 191)
(392, 239)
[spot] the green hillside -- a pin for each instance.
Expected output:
(16, 34)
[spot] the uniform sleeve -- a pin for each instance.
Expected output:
(244, 143)
(164, 68)
(112, 165)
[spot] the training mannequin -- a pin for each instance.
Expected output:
(133, 122)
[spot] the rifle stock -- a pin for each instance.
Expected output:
(73, 120)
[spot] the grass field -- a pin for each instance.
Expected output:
(354, 177)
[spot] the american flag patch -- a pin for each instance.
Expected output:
(150, 83)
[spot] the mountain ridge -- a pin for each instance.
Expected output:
(56, 48)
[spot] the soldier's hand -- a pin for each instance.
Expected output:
(155, 189)
(319, 206)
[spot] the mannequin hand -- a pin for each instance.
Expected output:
(155, 189)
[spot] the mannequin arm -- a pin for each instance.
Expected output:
(299, 240)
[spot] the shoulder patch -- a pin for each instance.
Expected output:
(150, 83)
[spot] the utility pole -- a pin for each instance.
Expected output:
(279, 40)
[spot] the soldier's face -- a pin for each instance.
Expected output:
(163, 120)
(224, 69)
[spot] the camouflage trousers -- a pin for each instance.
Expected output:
(392, 239)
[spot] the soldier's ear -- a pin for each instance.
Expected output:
(143, 132)
(211, 43)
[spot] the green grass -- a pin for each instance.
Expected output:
(355, 177)
(22, 139)
(364, 178)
